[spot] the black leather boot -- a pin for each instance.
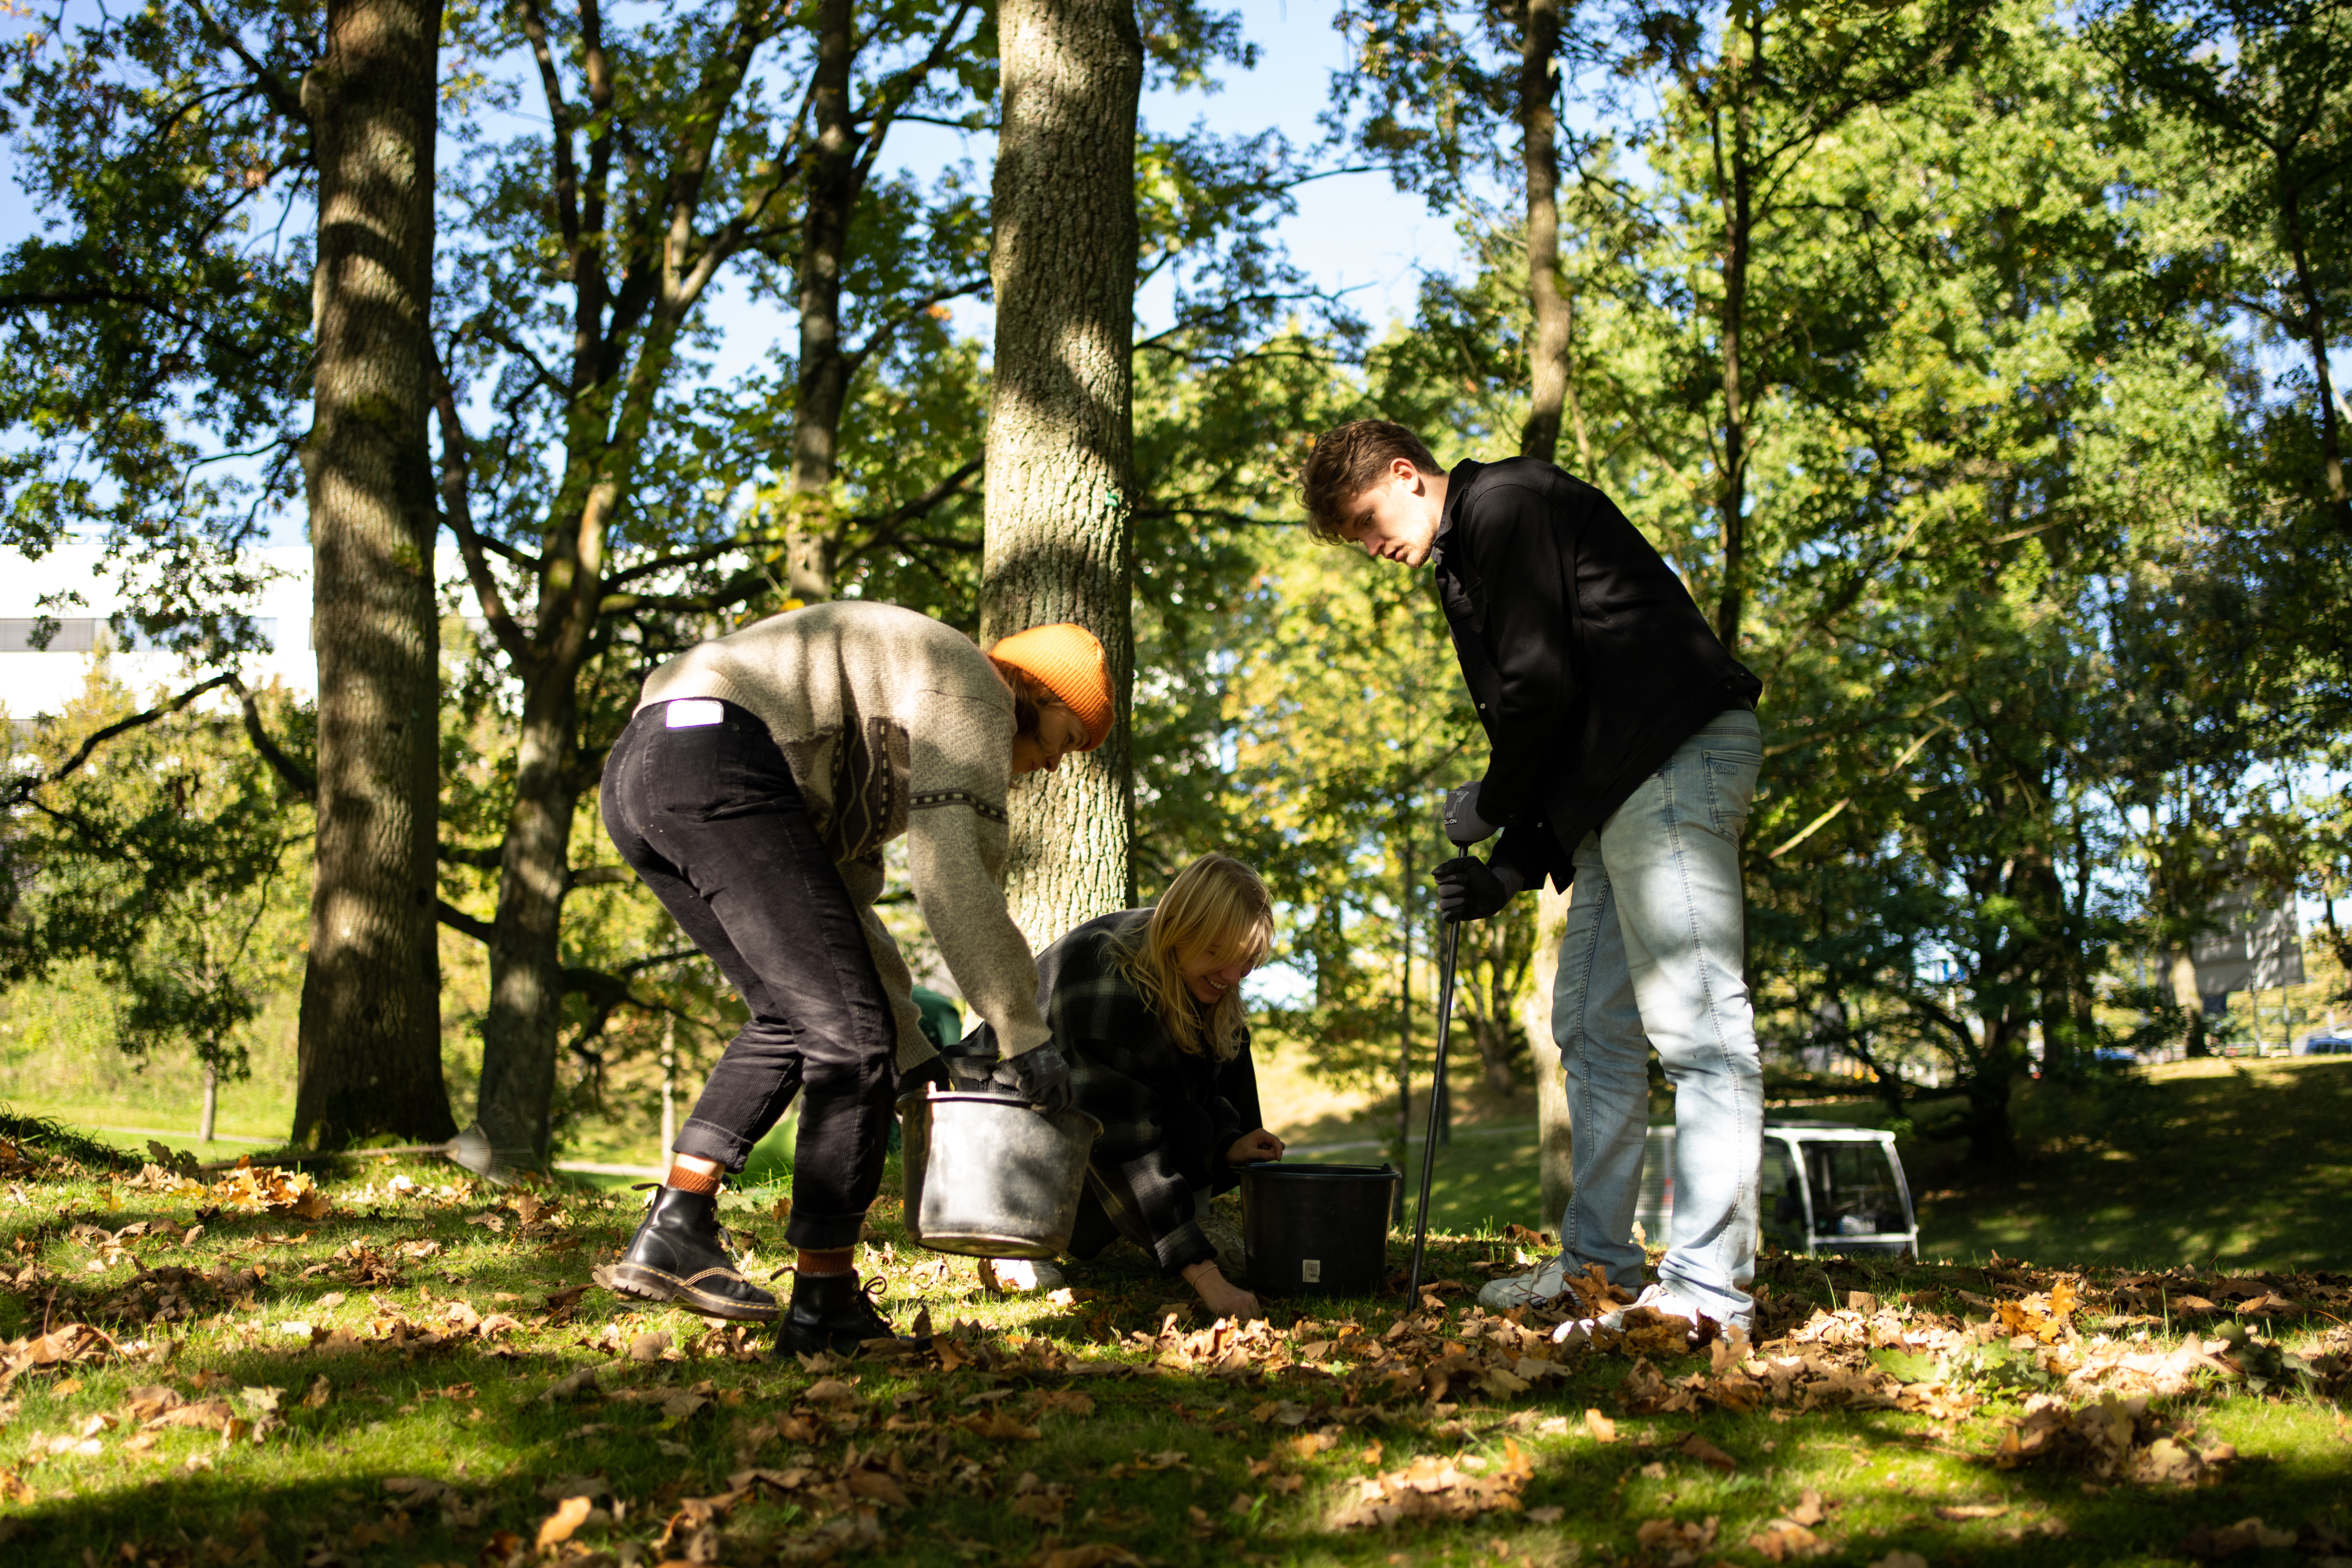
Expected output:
(831, 1311)
(677, 1255)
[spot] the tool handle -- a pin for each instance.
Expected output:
(1463, 825)
(1436, 1103)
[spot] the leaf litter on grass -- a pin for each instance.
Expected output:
(867, 1444)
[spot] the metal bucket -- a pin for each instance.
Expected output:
(1317, 1230)
(990, 1176)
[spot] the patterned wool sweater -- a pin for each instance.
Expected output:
(893, 723)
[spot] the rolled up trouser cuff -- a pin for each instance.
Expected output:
(712, 1141)
(823, 1232)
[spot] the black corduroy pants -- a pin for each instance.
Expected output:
(709, 816)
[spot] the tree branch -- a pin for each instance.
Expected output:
(23, 789)
(283, 98)
(458, 512)
(457, 919)
(293, 772)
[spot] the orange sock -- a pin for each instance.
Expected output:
(704, 1182)
(832, 1261)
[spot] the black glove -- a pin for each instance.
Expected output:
(973, 1061)
(1040, 1076)
(1467, 889)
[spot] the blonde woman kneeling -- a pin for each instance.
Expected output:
(1146, 1004)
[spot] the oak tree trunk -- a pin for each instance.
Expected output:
(1060, 542)
(1555, 1141)
(2315, 327)
(369, 1052)
(1548, 341)
(1736, 191)
(1548, 366)
(523, 1023)
(829, 172)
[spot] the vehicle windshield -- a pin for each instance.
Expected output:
(1853, 1190)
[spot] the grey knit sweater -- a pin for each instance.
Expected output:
(893, 723)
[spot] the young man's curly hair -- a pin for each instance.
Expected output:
(1349, 461)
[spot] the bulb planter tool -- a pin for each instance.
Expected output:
(1463, 829)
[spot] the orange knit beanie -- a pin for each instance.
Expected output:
(1067, 661)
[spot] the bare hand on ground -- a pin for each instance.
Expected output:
(1221, 1297)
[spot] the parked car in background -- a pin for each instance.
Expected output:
(1828, 1187)
(2322, 1043)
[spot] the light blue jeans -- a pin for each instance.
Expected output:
(1653, 957)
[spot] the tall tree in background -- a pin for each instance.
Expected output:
(2264, 89)
(1551, 332)
(673, 164)
(370, 1051)
(186, 317)
(1752, 94)
(1060, 521)
(837, 163)
(1552, 313)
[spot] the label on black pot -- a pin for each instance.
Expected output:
(1310, 1271)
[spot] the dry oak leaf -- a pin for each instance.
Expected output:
(214, 1414)
(2206, 1542)
(1603, 1429)
(1681, 1540)
(1782, 1539)
(1434, 1488)
(1705, 1453)
(569, 1516)
(1093, 1554)
(995, 1426)
(1956, 1511)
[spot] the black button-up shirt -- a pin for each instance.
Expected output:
(1588, 661)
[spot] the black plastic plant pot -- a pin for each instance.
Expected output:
(1317, 1230)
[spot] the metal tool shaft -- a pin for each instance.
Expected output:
(1436, 1105)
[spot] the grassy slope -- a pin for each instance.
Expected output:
(2249, 1162)
(2246, 1162)
(314, 1494)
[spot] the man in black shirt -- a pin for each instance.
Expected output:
(1623, 754)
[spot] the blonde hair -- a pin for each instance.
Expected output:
(1217, 906)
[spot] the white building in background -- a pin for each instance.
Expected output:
(42, 682)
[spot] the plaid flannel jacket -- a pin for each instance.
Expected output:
(1166, 1125)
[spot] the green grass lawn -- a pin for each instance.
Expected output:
(2243, 1164)
(376, 1426)
(2246, 1165)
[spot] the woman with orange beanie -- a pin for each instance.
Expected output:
(753, 791)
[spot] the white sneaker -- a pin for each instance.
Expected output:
(1657, 1297)
(1022, 1276)
(1530, 1289)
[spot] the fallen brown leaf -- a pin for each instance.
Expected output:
(1705, 1453)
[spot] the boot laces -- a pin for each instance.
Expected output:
(868, 1292)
